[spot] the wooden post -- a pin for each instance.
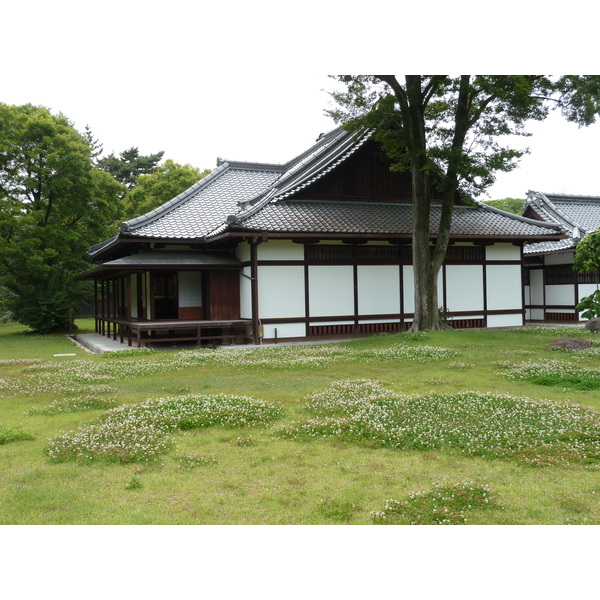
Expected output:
(254, 289)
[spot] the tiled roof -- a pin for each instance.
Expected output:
(577, 215)
(259, 197)
(196, 215)
(394, 219)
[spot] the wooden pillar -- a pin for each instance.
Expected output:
(254, 290)
(96, 324)
(103, 307)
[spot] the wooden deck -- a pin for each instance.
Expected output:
(151, 332)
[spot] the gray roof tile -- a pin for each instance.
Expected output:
(199, 213)
(577, 215)
(259, 197)
(371, 218)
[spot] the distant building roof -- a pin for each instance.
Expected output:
(576, 215)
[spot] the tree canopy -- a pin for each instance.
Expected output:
(163, 184)
(512, 205)
(447, 132)
(53, 201)
(587, 260)
(57, 198)
(129, 165)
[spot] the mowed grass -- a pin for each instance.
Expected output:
(446, 427)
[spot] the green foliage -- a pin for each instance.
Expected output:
(444, 505)
(154, 189)
(53, 204)
(11, 434)
(134, 483)
(554, 373)
(129, 165)
(587, 260)
(589, 306)
(587, 254)
(512, 205)
(340, 511)
(140, 432)
(493, 426)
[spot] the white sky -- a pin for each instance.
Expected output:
(246, 81)
(250, 83)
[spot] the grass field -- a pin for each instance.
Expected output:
(457, 427)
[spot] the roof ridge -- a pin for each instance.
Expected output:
(516, 217)
(323, 137)
(256, 166)
(545, 202)
(323, 163)
(583, 197)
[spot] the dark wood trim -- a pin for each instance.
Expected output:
(401, 284)
(485, 293)
(254, 290)
(444, 290)
(355, 290)
(306, 297)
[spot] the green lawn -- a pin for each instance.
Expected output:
(379, 430)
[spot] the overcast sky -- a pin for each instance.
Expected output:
(237, 82)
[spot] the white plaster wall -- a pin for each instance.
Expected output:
(562, 258)
(242, 252)
(503, 252)
(504, 287)
(464, 287)
(319, 323)
(536, 314)
(285, 330)
(363, 321)
(331, 290)
(536, 287)
(378, 289)
(560, 294)
(281, 292)
(504, 320)
(190, 288)
(408, 289)
(280, 250)
(133, 304)
(585, 289)
(245, 294)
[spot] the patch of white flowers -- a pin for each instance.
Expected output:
(140, 432)
(73, 376)
(444, 505)
(79, 403)
(548, 368)
(474, 423)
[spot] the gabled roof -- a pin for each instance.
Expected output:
(576, 215)
(255, 197)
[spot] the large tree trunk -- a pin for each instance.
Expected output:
(426, 315)
(428, 260)
(425, 275)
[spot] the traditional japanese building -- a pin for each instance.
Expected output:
(552, 288)
(318, 246)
